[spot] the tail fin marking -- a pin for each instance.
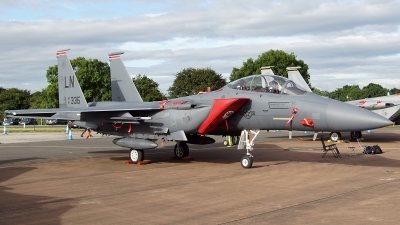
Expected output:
(69, 91)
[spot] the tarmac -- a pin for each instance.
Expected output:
(47, 179)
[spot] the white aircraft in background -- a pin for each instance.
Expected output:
(386, 106)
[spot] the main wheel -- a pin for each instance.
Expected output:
(225, 142)
(335, 136)
(247, 162)
(355, 134)
(182, 151)
(136, 155)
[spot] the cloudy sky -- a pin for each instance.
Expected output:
(343, 42)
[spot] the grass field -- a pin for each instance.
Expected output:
(38, 128)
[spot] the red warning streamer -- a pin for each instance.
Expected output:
(307, 122)
(294, 112)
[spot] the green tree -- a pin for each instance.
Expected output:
(36, 101)
(13, 98)
(347, 93)
(147, 88)
(49, 96)
(320, 92)
(394, 91)
(374, 90)
(93, 77)
(191, 81)
(277, 58)
(354, 93)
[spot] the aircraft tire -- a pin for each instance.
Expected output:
(136, 155)
(247, 162)
(335, 136)
(182, 151)
(225, 142)
(355, 134)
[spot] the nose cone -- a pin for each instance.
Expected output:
(345, 117)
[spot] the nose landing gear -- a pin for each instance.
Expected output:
(247, 138)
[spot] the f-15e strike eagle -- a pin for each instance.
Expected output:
(241, 108)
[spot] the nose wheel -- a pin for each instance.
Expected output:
(335, 136)
(247, 161)
(247, 138)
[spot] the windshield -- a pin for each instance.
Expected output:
(266, 83)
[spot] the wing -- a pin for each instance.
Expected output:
(66, 113)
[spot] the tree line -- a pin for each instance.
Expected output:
(94, 79)
(354, 92)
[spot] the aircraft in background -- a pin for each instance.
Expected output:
(241, 108)
(386, 106)
(382, 102)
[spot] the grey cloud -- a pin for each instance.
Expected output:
(215, 22)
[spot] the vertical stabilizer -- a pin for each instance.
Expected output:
(122, 86)
(69, 91)
(267, 70)
(295, 76)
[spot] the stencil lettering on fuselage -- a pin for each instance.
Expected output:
(278, 105)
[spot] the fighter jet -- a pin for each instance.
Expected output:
(377, 102)
(241, 108)
(386, 106)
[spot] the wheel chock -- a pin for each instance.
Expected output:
(142, 163)
(138, 163)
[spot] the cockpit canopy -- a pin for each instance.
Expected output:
(267, 83)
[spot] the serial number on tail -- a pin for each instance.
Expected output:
(74, 100)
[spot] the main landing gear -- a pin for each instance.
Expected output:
(247, 138)
(231, 140)
(336, 136)
(136, 155)
(181, 150)
(355, 135)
